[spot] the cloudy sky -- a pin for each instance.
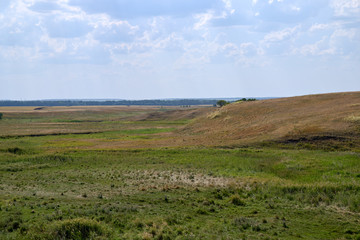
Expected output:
(140, 49)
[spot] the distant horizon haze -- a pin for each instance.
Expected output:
(170, 98)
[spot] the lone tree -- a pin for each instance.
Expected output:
(221, 103)
(1, 115)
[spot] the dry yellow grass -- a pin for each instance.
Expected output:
(353, 118)
(249, 122)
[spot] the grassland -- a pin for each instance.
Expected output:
(325, 119)
(135, 173)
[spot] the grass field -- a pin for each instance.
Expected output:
(136, 173)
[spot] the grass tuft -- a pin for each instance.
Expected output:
(77, 229)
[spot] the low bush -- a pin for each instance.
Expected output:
(236, 200)
(15, 150)
(246, 223)
(78, 229)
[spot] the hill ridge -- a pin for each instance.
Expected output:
(280, 119)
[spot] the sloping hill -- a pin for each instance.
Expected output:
(312, 118)
(173, 114)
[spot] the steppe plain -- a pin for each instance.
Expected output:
(285, 168)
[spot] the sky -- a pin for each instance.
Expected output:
(151, 49)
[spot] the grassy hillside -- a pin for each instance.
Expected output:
(323, 118)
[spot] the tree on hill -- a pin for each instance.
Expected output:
(221, 103)
(246, 100)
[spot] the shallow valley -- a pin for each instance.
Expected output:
(272, 169)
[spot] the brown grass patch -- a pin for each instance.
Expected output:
(251, 122)
(353, 118)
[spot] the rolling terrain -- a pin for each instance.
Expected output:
(323, 119)
(275, 169)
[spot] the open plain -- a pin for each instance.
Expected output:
(284, 168)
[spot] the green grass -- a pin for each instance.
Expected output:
(182, 193)
(64, 187)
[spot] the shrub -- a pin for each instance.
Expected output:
(1, 115)
(15, 150)
(243, 222)
(236, 200)
(246, 100)
(79, 228)
(201, 211)
(221, 103)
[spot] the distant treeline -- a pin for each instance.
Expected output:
(170, 102)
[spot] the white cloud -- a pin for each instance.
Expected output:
(114, 31)
(228, 6)
(345, 42)
(271, 1)
(347, 33)
(88, 31)
(203, 20)
(346, 7)
(280, 35)
(296, 8)
(340, 42)
(320, 26)
(57, 45)
(242, 50)
(317, 49)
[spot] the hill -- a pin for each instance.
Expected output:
(326, 119)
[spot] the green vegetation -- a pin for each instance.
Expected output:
(1, 116)
(77, 228)
(170, 193)
(84, 186)
(247, 100)
(221, 103)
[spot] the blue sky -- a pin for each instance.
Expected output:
(141, 49)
